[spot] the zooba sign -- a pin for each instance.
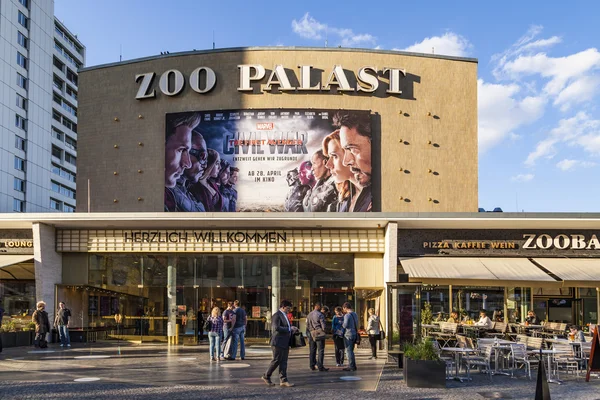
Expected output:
(561, 241)
(204, 79)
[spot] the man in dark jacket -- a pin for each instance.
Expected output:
(42, 325)
(280, 344)
(315, 331)
(1, 316)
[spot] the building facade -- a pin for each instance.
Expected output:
(39, 109)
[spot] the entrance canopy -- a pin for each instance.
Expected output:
(582, 272)
(476, 271)
(16, 267)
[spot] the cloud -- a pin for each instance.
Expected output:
(309, 28)
(449, 44)
(538, 44)
(567, 164)
(501, 112)
(580, 130)
(522, 178)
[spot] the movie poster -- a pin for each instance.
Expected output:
(284, 160)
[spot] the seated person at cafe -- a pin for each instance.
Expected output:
(484, 320)
(440, 317)
(498, 316)
(453, 317)
(576, 334)
(532, 319)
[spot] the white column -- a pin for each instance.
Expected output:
(275, 283)
(48, 265)
(172, 295)
(390, 269)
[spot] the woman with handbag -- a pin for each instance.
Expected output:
(373, 332)
(338, 336)
(214, 327)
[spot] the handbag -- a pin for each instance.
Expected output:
(318, 334)
(381, 332)
(297, 340)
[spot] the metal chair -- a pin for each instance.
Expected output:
(483, 360)
(566, 360)
(450, 363)
(519, 356)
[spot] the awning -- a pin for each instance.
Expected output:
(476, 271)
(16, 266)
(582, 272)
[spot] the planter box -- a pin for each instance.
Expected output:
(25, 338)
(9, 339)
(424, 374)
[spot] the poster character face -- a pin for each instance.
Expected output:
(233, 178)
(292, 177)
(198, 157)
(357, 154)
(338, 170)
(177, 157)
(306, 174)
(318, 165)
(224, 172)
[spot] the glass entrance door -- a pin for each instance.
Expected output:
(404, 314)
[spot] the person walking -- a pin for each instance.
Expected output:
(214, 335)
(42, 325)
(238, 331)
(338, 336)
(61, 323)
(282, 330)
(315, 331)
(228, 324)
(350, 326)
(373, 332)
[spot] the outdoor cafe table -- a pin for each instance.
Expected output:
(458, 352)
(427, 327)
(500, 346)
(552, 378)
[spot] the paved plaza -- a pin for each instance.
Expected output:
(158, 371)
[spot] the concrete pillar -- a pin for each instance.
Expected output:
(48, 266)
(275, 283)
(220, 268)
(390, 270)
(172, 297)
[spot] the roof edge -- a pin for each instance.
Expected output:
(278, 48)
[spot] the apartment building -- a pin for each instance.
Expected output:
(38, 99)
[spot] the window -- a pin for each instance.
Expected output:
(72, 76)
(18, 205)
(70, 143)
(69, 208)
(19, 164)
(25, 3)
(21, 60)
(69, 124)
(71, 92)
(63, 173)
(58, 83)
(22, 40)
(58, 134)
(69, 108)
(58, 64)
(20, 122)
(19, 185)
(56, 116)
(56, 98)
(23, 20)
(20, 143)
(65, 191)
(56, 152)
(21, 102)
(59, 49)
(55, 204)
(71, 159)
(21, 81)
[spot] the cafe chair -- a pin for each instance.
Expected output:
(520, 357)
(566, 360)
(482, 361)
(450, 364)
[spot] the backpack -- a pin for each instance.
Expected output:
(207, 325)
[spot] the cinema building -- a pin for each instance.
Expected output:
(312, 174)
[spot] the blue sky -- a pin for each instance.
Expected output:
(539, 69)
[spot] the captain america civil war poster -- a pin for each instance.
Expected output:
(285, 160)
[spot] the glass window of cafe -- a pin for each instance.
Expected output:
(135, 286)
(17, 293)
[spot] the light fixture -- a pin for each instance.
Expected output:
(430, 199)
(115, 200)
(429, 113)
(400, 169)
(116, 119)
(116, 146)
(115, 173)
(140, 198)
(401, 198)
(140, 144)
(429, 170)
(399, 112)
(140, 116)
(429, 142)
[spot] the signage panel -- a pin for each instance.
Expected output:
(289, 160)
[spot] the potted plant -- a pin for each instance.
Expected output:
(25, 337)
(9, 334)
(422, 365)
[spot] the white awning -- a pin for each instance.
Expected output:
(476, 271)
(584, 272)
(16, 266)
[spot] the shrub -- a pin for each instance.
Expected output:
(421, 350)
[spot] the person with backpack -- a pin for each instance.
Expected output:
(42, 325)
(214, 327)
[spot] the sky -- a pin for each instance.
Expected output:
(538, 70)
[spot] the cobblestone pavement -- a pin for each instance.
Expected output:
(111, 371)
